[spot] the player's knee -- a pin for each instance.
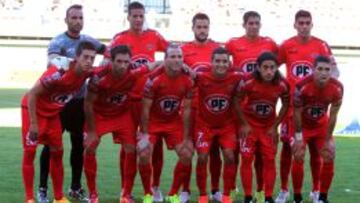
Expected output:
(129, 148)
(144, 157)
(29, 155)
(202, 158)
(90, 150)
(229, 156)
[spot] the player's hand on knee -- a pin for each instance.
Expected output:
(90, 140)
(327, 152)
(143, 142)
(298, 150)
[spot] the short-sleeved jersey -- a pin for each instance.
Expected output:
(215, 95)
(143, 47)
(315, 100)
(259, 99)
(113, 92)
(60, 87)
(299, 57)
(197, 55)
(167, 94)
(245, 51)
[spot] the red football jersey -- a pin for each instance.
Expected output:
(258, 100)
(143, 47)
(167, 94)
(215, 94)
(245, 51)
(60, 87)
(299, 57)
(315, 100)
(197, 55)
(113, 92)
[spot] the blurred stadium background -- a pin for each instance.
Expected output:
(28, 25)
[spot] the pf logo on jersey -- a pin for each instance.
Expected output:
(117, 99)
(169, 105)
(217, 103)
(62, 99)
(315, 112)
(249, 65)
(139, 60)
(262, 109)
(301, 69)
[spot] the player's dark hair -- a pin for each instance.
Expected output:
(84, 45)
(171, 46)
(121, 49)
(249, 14)
(321, 59)
(200, 16)
(135, 5)
(74, 6)
(219, 50)
(266, 56)
(302, 14)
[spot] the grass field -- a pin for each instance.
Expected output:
(345, 187)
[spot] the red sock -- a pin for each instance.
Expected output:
(215, 166)
(28, 172)
(237, 162)
(179, 174)
(327, 174)
(258, 164)
(285, 165)
(122, 166)
(187, 179)
(246, 174)
(157, 162)
(297, 176)
(57, 173)
(269, 176)
(201, 177)
(315, 165)
(90, 168)
(228, 177)
(145, 171)
(129, 173)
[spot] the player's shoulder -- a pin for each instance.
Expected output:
(284, 83)
(305, 82)
(336, 83)
(233, 40)
(153, 32)
(267, 39)
(120, 34)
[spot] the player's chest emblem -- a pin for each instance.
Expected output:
(301, 69)
(217, 103)
(249, 66)
(262, 109)
(117, 99)
(315, 112)
(170, 104)
(62, 99)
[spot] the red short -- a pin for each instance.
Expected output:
(205, 135)
(171, 132)
(287, 127)
(136, 110)
(315, 136)
(122, 128)
(50, 131)
(258, 140)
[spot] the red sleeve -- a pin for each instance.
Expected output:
(298, 98)
(229, 47)
(51, 76)
(162, 43)
(339, 92)
(150, 88)
(140, 71)
(282, 54)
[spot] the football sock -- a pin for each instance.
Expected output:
(57, 172)
(145, 171)
(129, 173)
(246, 174)
(90, 168)
(201, 177)
(285, 165)
(28, 172)
(297, 175)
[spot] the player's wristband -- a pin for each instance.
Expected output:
(298, 136)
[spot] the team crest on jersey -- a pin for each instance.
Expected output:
(217, 103)
(315, 112)
(62, 99)
(301, 69)
(262, 109)
(249, 65)
(169, 104)
(139, 60)
(117, 99)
